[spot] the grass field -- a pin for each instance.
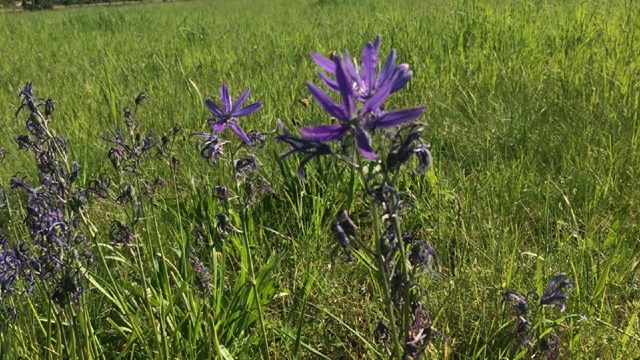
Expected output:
(533, 113)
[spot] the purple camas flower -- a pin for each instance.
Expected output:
(211, 146)
(553, 295)
(367, 79)
(354, 120)
(230, 112)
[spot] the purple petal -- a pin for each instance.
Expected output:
(351, 69)
(324, 132)
(248, 110)
(346, 89)
(240, 101)
(238, 130)
(375, 102)
(324, 63)
(225, 98)
(376, 44)
(301, 168)
(369, 61)
(219, 126)
(402, 76)
(363, 140)
(331, 84)
(326, 102)
(397, 117)
(387, 70)
(215, 110)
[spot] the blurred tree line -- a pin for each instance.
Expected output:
(49, 4)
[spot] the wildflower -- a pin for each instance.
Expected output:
(245, 166)
(203, 276)
(553, 294)
(10, 266)
(230, 112)
(73, 175)
(120, 233)
(221, 193)
(141, 97)
(308, 147)
(66, 290)
(28, 100)
(127, 194)
(368, 80)
(403, 147)
(382, 333)
(519, 302)
(224, 226)
(256, 138)
(255, 188)
(521, 306)
(346, 223)
(49, 107)
(354, 121)
(419, 331)
(345, 112)
(211, 146)
(424, 255)
(549, 345)
(99, 186)
(24, 142)
(343, 239)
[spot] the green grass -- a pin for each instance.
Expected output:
(534, 120)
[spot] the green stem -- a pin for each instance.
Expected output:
(406, 296)
(382, 276)
(252, 276)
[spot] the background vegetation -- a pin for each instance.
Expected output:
(533, 110)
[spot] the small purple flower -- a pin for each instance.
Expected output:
(553, 295)
(230, 112)
(519, 302)
(211, 146)
(203, 280)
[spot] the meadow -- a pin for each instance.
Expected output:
(532, 113)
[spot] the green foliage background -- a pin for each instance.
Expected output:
(533, 113)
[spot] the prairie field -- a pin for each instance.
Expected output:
(532, 114)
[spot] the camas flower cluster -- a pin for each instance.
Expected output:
(553, 296)
(363, 90)
(56, 249)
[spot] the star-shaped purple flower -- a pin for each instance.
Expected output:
(367, 79)
(230, 112)
(354, 120)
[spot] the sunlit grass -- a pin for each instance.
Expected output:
(534, 120)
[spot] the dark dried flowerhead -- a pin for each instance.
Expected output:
(141, 97)
(246, 166)
(310, 148)
(407, 143)
(202, 276)
(221, 192)
(67, 290)
(211, 146)
(120, 233)
(423, 255)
